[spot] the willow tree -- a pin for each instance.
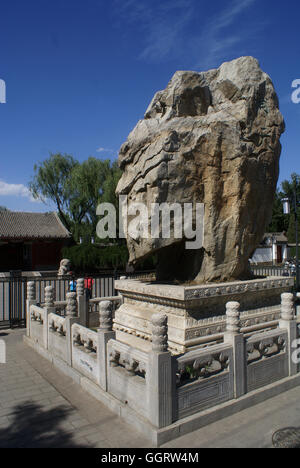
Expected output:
(76, 189)
(50, 182)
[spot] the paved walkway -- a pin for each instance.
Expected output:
(41, 407)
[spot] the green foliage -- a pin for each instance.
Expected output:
(76, 189)
(91, 257)
(281, 222)
(110, 185)
(50, 182)
(3, 208)
(191, 372)
(85, 187)
(291, 233)
(288, 187)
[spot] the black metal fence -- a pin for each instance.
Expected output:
(13, 292)
(267, 270)
(12, 302)
(270, 270)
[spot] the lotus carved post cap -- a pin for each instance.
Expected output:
(31, 291)
(233, 323)
(80, 287)
(71, 310)
(105, 315)
(287, 306)
(49, 296)
(159, 332)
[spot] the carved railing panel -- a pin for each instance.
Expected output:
(204, 379)
(199, 366)
(57, 324)
(262, 348)
(267, 358)
(37, 314)
(84, 339)
(132, 360)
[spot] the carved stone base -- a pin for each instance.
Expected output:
(194, 312)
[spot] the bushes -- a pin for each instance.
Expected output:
(92, 257)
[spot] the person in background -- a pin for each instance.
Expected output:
(88, 286)
(72, 284)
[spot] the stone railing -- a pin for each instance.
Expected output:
(85, 338)
(37, 314)
(200, 366)
(60, 307)
(36, 323)
(128, 376)
(94, 308)
(133, 361)
(267, 358)
(242, 363)
(264, 346)
(204, 378)
(157, 386)
(57, 324)
(86, 352)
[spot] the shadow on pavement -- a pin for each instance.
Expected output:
(33, 427)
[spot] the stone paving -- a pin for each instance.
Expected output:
(41, 407)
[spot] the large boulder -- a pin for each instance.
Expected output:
(213, 138)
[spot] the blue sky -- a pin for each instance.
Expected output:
(79, 74)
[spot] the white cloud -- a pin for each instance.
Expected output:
(218, 41)
(228, 15)
(104, 150)
(160, 23)
(170, 31)
(17, 190)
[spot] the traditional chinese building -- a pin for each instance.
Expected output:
(31, 241)
(273, 249)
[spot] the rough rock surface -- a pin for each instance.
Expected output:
(210, 137)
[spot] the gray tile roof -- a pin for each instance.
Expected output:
(22, 225)
(279, 236)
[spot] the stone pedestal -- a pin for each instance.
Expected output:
(193, 312)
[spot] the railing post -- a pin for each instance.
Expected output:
(30, 300)
(298, 304)
(71, 309)
(70, 319)
(105, 333)
(80, 287)
(287, 321)
(159, 376)
(83, 303)
(122, 278)
(233, 337)
(49, 297)
(48, 309)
